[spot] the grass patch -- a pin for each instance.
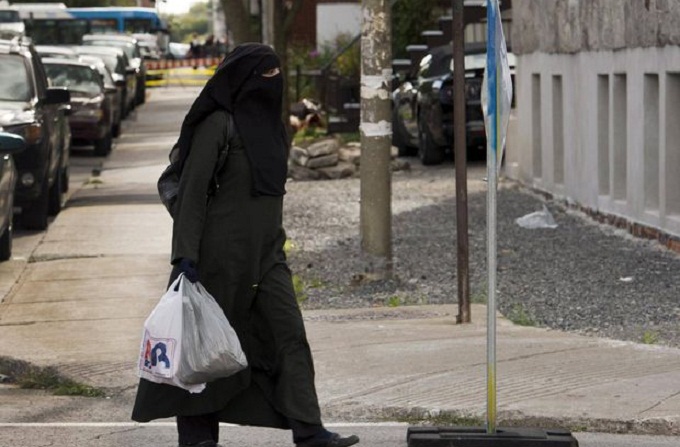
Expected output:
(650, 338)
(520, 316)
(288, 247)
(350, 137)
(29, 376)
(479, 297)
(394, 301)
(309, 135)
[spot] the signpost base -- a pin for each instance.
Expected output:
(478, 437)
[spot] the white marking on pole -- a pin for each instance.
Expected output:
(375, 86)
(379, 129)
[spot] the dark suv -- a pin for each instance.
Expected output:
(37, 113)
(423, 106)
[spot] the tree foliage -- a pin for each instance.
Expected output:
(182, 26)
(409, 19)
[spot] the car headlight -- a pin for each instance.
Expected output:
(87, 112)
(32, 132)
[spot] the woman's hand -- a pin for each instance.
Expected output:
(188, 267)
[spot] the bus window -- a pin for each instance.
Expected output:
(138, 26)
(103, 26)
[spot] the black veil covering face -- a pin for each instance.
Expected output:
(255, 101)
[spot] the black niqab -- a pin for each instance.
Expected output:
(255, 102)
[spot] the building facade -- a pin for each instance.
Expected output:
(598, 108)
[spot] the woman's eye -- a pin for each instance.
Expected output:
(271, 73)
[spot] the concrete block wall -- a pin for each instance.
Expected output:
(598, 107)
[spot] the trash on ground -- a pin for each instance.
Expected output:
(537, 219)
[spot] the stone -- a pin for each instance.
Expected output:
(322, 161)
(299, 155)
(323, 147)
(394, 152)
(350, 154)
(341, 170)
(400, 165)
(301, 173)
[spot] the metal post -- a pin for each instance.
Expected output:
(492, 172)
(460, 152)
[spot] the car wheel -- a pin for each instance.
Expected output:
(102, 147)
(397, 135)
(6, 241)
(428, 152)
(65, 178)
(34, 217)
(55, 195)
(115, 129)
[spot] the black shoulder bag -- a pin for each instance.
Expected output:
(168, 182)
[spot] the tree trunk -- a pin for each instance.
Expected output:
(238, 21)
(376, 138)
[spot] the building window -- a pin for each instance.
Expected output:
(558, 130)
(603, 133)
(651, 142)
(672, 164)
(536, 125)
(620, 136)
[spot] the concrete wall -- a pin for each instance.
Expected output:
(571, 26)
(602, 129)
(598, 106)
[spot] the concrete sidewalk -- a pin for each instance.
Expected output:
(81, 299)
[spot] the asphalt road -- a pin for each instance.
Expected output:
(163, 434)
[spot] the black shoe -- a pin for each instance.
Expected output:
(335, 440)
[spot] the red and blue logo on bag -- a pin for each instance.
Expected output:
(158, 356)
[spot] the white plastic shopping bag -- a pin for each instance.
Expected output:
(162, 340)
(210, 347)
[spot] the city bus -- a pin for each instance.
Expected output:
(129, 20)
(51, 23)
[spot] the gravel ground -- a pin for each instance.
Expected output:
(582, 276)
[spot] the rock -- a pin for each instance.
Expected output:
(299, 155)
(354, 144)
(323, 147)
(301, 173)
(341, 170)
(400, 165)
(394, 152)
(350, 154)
(322, 161)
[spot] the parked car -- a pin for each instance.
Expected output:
(114, 93)
(10, 145)
(423, 106)
(29, 108)
(131, 47)
(178, 50)
(10, 22)
(91, 118)
(123, 76)
(55, 51)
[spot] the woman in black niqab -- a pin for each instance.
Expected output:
(233, 243)
(255, 102)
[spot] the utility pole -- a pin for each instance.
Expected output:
(268, 26)
(460, 153)
(376, 137)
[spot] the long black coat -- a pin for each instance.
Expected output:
(237, 241)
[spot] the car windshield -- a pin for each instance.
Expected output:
(127, 47)
(74, 77)
(14, 80)
(9, 16)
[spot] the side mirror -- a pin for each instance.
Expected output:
(57, 96)
(11, 144)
